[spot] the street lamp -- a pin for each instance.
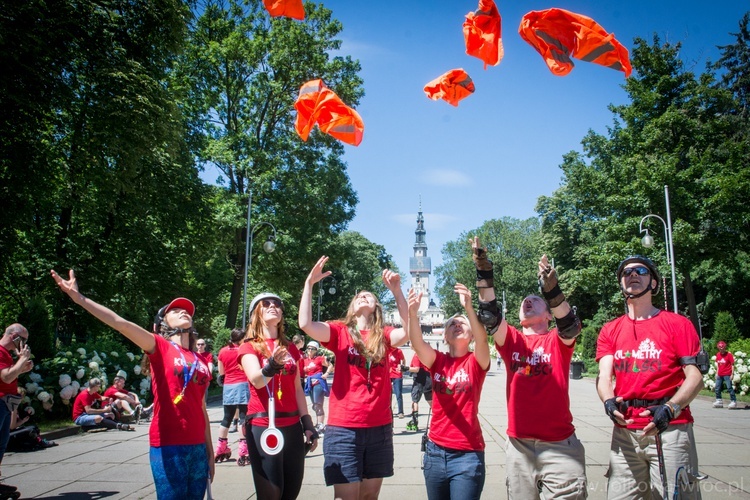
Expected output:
(269, 246)
(321, 292)
(648, 241)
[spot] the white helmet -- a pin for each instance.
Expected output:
(313, 345)
(261, 296)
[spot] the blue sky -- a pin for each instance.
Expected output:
(501, 148)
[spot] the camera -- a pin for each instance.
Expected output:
(423, 447)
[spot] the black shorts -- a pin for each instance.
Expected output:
(417, 390)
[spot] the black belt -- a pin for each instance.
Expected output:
(279, 414)
(643, 403)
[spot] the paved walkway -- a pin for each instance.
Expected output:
(115, 464)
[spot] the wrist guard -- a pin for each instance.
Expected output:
(271, 368)
(490, 316)
(662, 415)
(220, 380)
(307, 425)
(485, 269)
(610, 407)
(550, 288)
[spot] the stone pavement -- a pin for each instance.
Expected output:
(115, 464)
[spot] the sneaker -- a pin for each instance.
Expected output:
(233, 427)
(400, 415)
(732, 405)
(719, 404)
(147, 411)
(320, 428)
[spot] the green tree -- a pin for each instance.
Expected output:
(725, 328)
(513, 245)
(237, 82)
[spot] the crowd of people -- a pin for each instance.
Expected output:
(648, 375)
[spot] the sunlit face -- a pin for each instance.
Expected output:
(119, 382)
(635, 278)
(458, 329)
(533, 308)
(364, 303)
(178, 318)
(312, 352)
(271, 311)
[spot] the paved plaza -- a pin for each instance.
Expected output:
(114, 465)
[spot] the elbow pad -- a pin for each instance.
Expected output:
(490, 316)
(569, 327)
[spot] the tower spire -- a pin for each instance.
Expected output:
(420, 265)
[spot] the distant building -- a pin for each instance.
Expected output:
(420, 268)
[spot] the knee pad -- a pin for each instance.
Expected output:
(490, 316)
(318, 409)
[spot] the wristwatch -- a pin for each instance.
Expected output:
(676, 409)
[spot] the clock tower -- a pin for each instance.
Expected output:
(420, 265)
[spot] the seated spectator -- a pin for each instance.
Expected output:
(127, 403)
(25, 437)
(88, 416)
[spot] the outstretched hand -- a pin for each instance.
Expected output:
(414, 300)
(69, 286)
(317, 273)
(464, 296)
(391, 280)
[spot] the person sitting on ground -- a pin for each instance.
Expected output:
(25, 436)
(87, 416)
(127, 403)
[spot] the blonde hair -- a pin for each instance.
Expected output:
(374, 349)
(254, 333)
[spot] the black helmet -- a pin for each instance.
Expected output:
(640, 259)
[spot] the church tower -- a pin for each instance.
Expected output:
(420, 265)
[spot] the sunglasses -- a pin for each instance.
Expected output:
(271, 302)
(639, 270)
(200, 343)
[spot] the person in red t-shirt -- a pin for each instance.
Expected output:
(15, 338)
(398, 365)
(421, 386)
(454, 465)
(543, 450)
(271, 364)
(235, 396)
(358, 447)
(648, 375)
(724, 373)
(125, 401)
(181, 454)
(315, 370)
(88, 416)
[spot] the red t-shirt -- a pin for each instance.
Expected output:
(84, 399)
(724, 363)
(112, 391)
(396, 359)
(311, 366)
(182, 423)
(647, 359)
(456, 389)
(420, 377)
(284, 382)
(233, 372)
(352, 403)
(6, 361)
(206, 357)
(536, 386)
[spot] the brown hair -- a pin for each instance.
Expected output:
(374, 349)
(254, 333)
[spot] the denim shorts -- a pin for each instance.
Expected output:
(235, 394)
(453, 473)
(85, 419)
(354, 454)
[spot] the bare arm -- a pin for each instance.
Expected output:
(481, 347)
(425, 353)
(299, 394)
(562, 309)
(393, 282)
(487, 294)
(140, 337)
(315, 329)
(604, 386)
(22, 365)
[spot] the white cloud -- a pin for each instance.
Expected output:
(436, 221)
(446, 177)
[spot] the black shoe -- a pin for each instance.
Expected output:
(6, 488)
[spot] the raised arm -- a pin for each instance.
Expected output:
(481, 347)
(140, 337)
(489, 313)
(315, 329)
(393, 282)
(568, 324)
(425, 353)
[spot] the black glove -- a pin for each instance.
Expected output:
(485, 269)
(610, 407)
(550, 288)
(662, 415)
(307, 425)
(404, 368)
(220, 380)
(271, 368)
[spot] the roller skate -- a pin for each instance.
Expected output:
(244, 458)
(413, 424)
(222, 452)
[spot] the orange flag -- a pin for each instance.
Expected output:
(452, 87)
(319, 104)
(288, 8)
(483, 33)
(558, 35)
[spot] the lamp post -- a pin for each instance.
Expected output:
(648, 241)
(321, 292)
(269, 246)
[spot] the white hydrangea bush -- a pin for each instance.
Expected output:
(740, 377)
